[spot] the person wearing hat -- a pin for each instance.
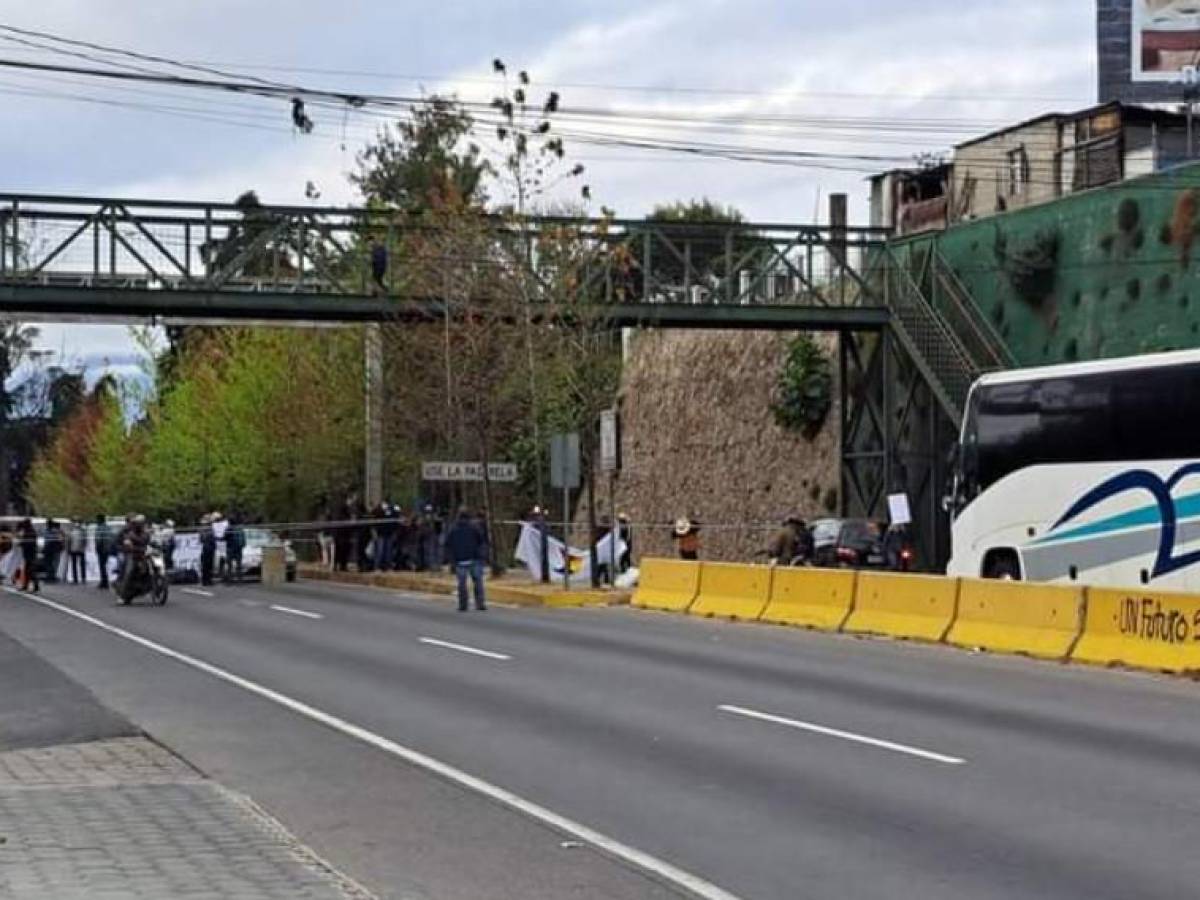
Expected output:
(687, 537)
(789, 544)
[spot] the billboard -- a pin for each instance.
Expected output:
(1145, 47)
(1165, 39)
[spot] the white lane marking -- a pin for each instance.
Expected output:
(197, 592)
(631, 855)
(843, 735)
(463, 648)
(296, 612)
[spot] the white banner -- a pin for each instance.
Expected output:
(576, 563)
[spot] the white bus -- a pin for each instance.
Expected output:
(1086, 473)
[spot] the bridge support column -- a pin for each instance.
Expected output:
(895, 439)
(373, 400)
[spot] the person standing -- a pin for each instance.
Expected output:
(27, 539)
(430, 535)
(604, 568)
(390, 530)
(166, 540)
(625, 535)
(76, 545)
(379, 265)
(408, 538)
(687, 537)
(325, 536)
(102, 540)
(219, 526)
(783, 547)
(208, 550)
(235, 543)
(53, 549)
(467, 547)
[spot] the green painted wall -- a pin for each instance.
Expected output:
(1108, 272)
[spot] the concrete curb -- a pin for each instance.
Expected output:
(528, 596)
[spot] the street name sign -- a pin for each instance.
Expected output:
(468, 471)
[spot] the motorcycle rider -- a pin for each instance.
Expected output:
(132, 542)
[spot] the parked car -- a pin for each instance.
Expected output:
(824, 539)
(860, 544)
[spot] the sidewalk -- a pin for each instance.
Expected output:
(515, 589)
(119, 816)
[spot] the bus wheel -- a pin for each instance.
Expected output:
(1002, 565)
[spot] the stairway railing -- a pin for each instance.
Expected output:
(987, 347)
(936, 349)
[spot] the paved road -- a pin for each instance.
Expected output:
(769, 762)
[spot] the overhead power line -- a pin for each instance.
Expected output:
(642, 130)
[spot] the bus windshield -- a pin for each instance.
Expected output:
(1107, 416)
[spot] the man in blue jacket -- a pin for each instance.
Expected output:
(467, 547)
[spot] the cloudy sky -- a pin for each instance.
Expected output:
(870, 79)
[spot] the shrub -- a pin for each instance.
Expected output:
(804, 391)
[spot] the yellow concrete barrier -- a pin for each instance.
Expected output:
(811, 598)
(1147, 629)
(1018, 617)
(667, 584)
(736, 592)
(906, 606)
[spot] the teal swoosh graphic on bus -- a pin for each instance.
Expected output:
(1186, 508)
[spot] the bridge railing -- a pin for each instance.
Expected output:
(166, 245)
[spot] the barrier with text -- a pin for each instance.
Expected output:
(1149, 630)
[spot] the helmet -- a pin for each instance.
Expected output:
(139, 519)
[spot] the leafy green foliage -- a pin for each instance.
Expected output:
(804, 391)
(421, 162)
(262, 422)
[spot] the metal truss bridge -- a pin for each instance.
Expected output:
(911, 340)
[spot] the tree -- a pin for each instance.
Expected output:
(481, 332)
(88, 464)
(534, 163)
(699, 231)
(16, 344)
(259, 421)
(421, 163)
(253, 244)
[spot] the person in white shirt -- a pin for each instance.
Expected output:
(220, 525)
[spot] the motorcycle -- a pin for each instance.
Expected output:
(143, 573)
